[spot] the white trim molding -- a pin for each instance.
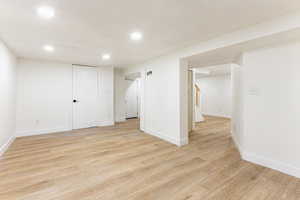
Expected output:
(121, 119)
(266, 162)
(58, 129)
(236, 143)
(5, 146)
(273, 164)
(183, 141)
(164, 137)
(42, 131)
(106, 123)
(216, 115)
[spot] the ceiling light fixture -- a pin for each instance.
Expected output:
(106, 56)
(46, 12)
(136, 36)
(49, 48)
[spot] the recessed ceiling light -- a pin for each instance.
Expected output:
(46, 12)
(136, 36)
(106, 56)
(49, 48)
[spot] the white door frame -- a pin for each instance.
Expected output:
(142, 77)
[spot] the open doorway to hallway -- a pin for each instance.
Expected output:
(213, 85)
(133, 97)
(215, 91)
(212, 99)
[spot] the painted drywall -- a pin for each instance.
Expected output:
(119, 95)
(159, 103)
(160, 98)
(267, 130)
(215, 95)
(44, 97)
(237, 105)
(173, 76)
(183, 102)
(139, 91)
(106, 82)
(271, 107)
(8, 64)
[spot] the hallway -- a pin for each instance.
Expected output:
(121, 162)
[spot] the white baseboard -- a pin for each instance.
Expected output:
(58, 129)
(237, 144)
(106, 123)
(183, 141)
(216, 115)
(266, 162)
(269, 163)
(5, 146)
(42, 131)
(120, 120)
(164, 137)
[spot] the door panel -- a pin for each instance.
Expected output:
(85, 92)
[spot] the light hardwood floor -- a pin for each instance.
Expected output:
(122, 163)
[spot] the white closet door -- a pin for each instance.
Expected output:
(85, 97)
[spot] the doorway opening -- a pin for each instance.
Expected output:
(213, 92)
(212, 100)
(133, 97)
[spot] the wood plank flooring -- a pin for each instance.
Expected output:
(122, 163)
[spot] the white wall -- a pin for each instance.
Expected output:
(120, 92)
(44, 97)
(160, 99)
(7, 97)
(271, 107)
(139, 91)
(237, 105)
(106, 105)
(173, 76)
(215, 95)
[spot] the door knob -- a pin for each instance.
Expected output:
(74, 101)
